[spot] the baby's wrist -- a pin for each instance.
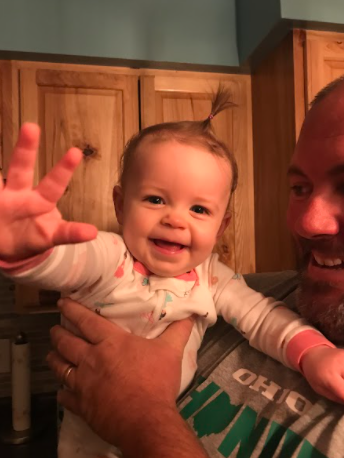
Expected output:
(16, 267)
(314, 354)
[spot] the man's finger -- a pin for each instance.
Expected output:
(178, 333)
(91, 326)
(1, 182)
(59, 367)
(70, 347)
(68, 400)
(53, 185)
(22, 166)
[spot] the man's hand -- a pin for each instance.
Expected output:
(121, 383)
(30, 223)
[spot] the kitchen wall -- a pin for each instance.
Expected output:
(256, 20)
(313, 10)
(216, 32)
(192, 31)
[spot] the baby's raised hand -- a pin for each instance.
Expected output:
(323, 368)
(30, 223)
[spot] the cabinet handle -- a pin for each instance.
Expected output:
(225, 249)
(89, 151)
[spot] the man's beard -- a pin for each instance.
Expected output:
(321, 303)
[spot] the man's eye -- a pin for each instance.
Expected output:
(200, 210)
(154, 200)
(300, 190)
(340, 188)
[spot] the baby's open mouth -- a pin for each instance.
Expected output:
(170, 246)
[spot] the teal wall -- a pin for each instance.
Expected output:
(212, 32)
(313, 10)
(254, 19)
(192, 31)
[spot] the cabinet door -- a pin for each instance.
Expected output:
(325, 60)
(176, 96)
(9, 111)
(94, 109)
(98, 113)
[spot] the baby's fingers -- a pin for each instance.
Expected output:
(334, 390)
(53, 185)
(22, 165)
(70, 232)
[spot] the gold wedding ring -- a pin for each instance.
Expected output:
(66, 374)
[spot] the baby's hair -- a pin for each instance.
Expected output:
(198, 133)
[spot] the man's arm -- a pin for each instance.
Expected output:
(140, 414)
(161, 433)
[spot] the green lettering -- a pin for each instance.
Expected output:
(198, 398)
(308, 451)
(275, 435)
(215, 416)
(290, 444)
(245, 433)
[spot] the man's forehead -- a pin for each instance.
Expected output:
(322, 134)
(326, 117)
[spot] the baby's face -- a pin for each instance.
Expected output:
(174, 206)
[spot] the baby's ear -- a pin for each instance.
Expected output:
(117, 196)
(225, 221)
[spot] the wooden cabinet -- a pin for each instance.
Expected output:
(98, 109)
(95, 111)
(93, 108)
(8, 114)
(283, 85)
(324, 55)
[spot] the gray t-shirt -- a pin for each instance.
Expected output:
(246, 405)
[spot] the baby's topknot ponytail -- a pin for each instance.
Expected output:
(188, 132)
(220, 102)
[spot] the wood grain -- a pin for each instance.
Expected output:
(274, 138)
(94, 111)
(325, 60)
(9, 112)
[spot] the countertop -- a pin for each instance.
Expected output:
(44, 421)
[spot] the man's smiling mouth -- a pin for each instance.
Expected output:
(327, 261)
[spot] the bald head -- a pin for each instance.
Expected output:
(327, 90)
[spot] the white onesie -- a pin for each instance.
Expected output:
(103, 276)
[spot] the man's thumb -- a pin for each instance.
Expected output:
(178, 333)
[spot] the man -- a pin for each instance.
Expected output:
(245, 405)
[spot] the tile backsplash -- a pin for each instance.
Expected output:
(36, 328)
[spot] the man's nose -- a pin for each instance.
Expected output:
(318, 218)
(174, 219)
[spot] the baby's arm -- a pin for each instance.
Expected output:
(30, 222)
(280, 333)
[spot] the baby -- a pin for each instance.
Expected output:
(172, 203)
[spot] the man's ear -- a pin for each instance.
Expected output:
(117, 195)
(225, 221)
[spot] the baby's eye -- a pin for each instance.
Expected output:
(156, 200)
(200, 210)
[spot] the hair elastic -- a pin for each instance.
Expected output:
(211, 116)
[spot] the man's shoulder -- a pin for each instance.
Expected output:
(280, 285)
